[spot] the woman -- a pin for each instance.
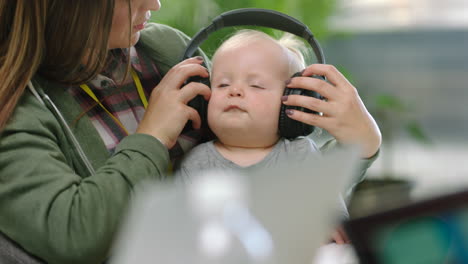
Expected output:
(90, 105)
(58, 202)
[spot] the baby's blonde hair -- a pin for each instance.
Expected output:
(293, 47)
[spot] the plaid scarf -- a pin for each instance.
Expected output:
(122, 100)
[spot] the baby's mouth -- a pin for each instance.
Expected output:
(233, 108)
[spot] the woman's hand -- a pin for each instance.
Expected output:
(167, 111)
(344, 114)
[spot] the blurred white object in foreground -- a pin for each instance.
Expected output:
(272, 216)
(335, 254)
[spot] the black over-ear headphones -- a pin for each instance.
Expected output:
(288, 127)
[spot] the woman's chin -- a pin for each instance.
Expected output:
(123, 44)
(135, 38)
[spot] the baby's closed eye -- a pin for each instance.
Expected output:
(257, 86)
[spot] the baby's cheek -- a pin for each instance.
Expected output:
(214, 106)
(214, 103)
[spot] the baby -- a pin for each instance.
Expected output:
(250, 71)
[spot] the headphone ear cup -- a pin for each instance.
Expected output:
(199, 102)
(201, 105)
(290, 128)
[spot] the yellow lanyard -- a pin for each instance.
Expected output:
(141, 93)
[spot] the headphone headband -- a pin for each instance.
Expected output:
(288, 128)
(256, 17)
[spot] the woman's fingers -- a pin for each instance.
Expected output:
(314, 84)
(179, 74)
(192, 89)
(330, 72)
(194, 116)
(344, 114)
(197, 59)
(168, 112)
(310, 118)
(310, 103)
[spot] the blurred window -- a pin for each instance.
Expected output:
(365, 15)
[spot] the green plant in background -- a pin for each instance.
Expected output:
(389, 190)
(192, 15)
(393, 116)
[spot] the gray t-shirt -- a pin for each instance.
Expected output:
(205, 156)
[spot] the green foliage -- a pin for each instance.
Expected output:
(415, 130)
(393, 114)
(389, 103)
(346, 73)
(192, 15)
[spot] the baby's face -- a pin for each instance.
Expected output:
(247, 83)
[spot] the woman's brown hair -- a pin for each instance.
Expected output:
(52, 38)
